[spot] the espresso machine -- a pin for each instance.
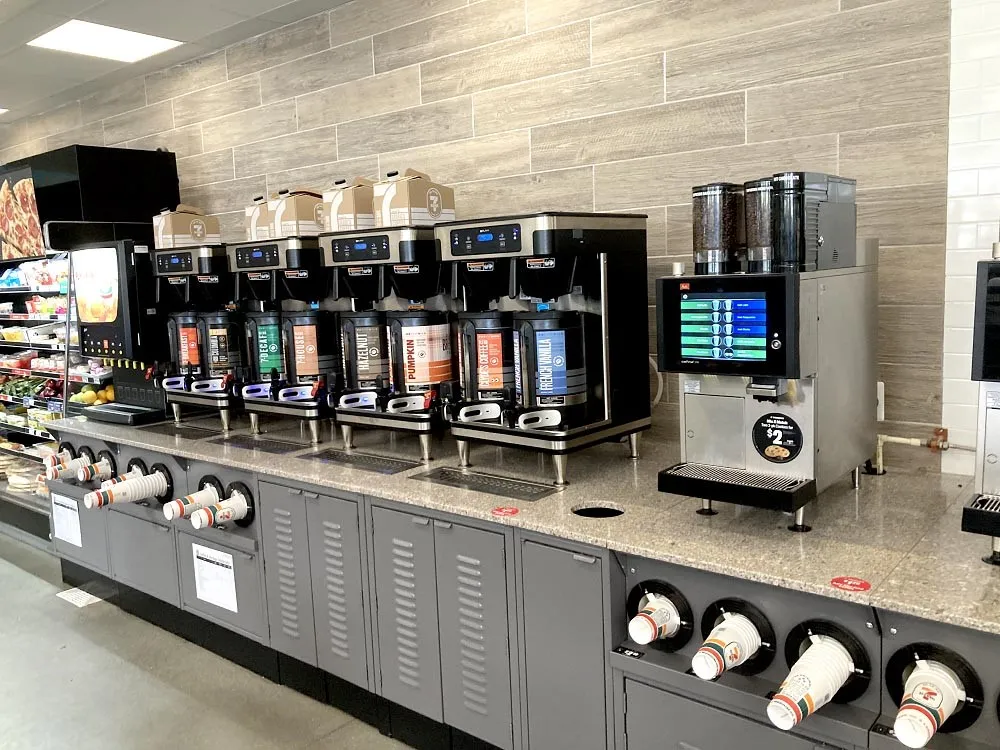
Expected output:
(553, 337)
(981, 515)
(774, 342)
(293, 348)
(207, 342)
(397, 338)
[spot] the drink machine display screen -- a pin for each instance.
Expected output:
(95, 278)
(724, 326)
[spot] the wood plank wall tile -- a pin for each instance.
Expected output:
(618, 105)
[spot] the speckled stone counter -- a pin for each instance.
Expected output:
(901, 532)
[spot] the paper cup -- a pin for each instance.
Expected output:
(657, 618)
(812, 682)
(932, 694)
(731, 643)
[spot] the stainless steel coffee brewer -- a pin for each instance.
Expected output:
(553, 338)
(293, 347)
(205, 331)
(777, 365)
(397, 339)
(981, 515)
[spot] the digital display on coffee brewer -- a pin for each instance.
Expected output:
(355, 249)
(724, 326)
(486, 240)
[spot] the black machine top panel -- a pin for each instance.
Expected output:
(986, 325)
(729, 325)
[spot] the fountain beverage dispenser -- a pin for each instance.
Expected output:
(765, 359)
(553, 338)
(397, 340)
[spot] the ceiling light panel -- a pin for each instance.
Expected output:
(108, 42)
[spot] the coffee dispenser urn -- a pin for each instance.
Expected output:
(777, 370)
(554, 339)
(397, 350)
(207, 347)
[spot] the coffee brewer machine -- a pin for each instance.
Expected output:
(981, 515)
(397, 339)
(207, 343)
(293, 347)
(553, 338)
(777, 365)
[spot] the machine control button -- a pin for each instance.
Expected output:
(776, 344)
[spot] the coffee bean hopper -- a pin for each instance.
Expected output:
(205, 331)
(397, 354)
(292, 345)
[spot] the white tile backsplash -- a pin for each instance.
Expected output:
(957, 340)
(960, 392)
(975, 46)
(958, 462)
(966, 75)
(958, 314)
(963, 262)
(960, 416)
(964, 129)
(982, 153)
(962, 236)
(988, 182)
(963, 182)
(957, 366)
(959, 288)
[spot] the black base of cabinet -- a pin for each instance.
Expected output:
(32, 522)
(387, 717)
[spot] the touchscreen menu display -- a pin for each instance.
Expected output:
(724, 326)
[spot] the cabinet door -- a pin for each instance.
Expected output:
(79, 534)
(661, 720)
(406, 602)
(472, 612)
(338, 588)
(287, 582)
(563, 609)
(222, 584)
(144, 556)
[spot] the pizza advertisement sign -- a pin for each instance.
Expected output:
(20, 229)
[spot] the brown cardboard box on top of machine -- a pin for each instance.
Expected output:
(411, 198)
(185, 226)
(349, 205)
(297, 213)
(259, 219)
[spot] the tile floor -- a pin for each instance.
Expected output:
(97, 678)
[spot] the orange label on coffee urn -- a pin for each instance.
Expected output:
(189, 353)
(489, 357)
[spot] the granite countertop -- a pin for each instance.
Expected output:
(894, 532)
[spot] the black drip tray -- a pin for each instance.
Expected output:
(981, 515)
(364, 461)
(181, 430)
(258, 444)
(516, 489)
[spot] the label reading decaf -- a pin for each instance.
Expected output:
(406, 270)
(777, 438)
(188, 345)
(305, 350)
(269, 349)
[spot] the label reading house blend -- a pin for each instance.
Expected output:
(305, 351)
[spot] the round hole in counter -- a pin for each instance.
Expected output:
(598, 510)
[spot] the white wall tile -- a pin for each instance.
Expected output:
(989, 126)
(976, 155)
(963, 263)
(960, 416)
(959, 288)
(958, 462)
(958, 314)
(957, 365)
(987, 233)
(957, 340)
(974, 208)
(989, 180)
(975, 46)
(964, 129)
(966, 20)
(966, 75)
(963, 182)
(955, 391)
(963, 236)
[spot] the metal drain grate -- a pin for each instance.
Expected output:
(364, 461)
(515, 489)
(187, 432)
(258, 444)
(737, 476)
(986, 503)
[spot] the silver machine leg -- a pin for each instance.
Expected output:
(633, 446)
(425, 446)
(800, 524)
(347, 432)
(227, 419)
(561, 463)
(706, 509)
(176, 409)
(856, 477)
(464, 453)
(254, 423)
(314, 432)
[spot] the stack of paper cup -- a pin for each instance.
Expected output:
(657, 618)
(933, 693)
(183, 507)
(129, 491)
(234, 508)
(731, 643)
(133, 473)
(66, 470)
(54, 459)
(100, 470)
(813, 681)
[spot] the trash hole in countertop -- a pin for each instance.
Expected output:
(598, 510)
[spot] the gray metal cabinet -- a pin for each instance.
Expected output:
(78, 534)
(407, 613)
(144, 556)
(287, 580)
(563, 630)
(338, 588)
(209, 594)
(658, 720)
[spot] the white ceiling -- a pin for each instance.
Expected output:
(35, 80)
